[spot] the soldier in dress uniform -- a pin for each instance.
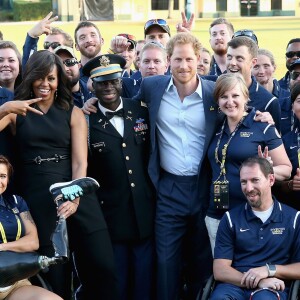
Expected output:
(119, 151)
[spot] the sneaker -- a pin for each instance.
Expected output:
(73, 189)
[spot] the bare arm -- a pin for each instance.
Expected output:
(281, 163)
(79, 157)
(29, 242)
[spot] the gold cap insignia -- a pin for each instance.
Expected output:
(104, 61)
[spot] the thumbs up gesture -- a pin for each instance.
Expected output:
(296, 181)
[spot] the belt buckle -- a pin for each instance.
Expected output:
(38, 160)
(56, 158)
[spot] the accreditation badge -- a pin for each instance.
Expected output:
(221, 194)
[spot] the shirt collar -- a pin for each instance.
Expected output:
(198, 90)
(276, 215)
(104, 109)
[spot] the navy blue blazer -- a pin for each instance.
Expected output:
(151, 92)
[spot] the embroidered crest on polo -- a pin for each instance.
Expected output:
(245, 134)
(212, 108)
(277, 230)
(104, 61)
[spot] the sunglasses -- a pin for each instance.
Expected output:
(295, 75)
(155, 21)
(245, 32)
(292, 54)
(53, 45)
(70, 62)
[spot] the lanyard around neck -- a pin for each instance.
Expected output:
(225, 147)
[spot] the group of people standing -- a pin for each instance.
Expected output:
(165, 143)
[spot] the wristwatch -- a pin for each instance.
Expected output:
(271, 270)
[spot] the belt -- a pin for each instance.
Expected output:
(55, 158)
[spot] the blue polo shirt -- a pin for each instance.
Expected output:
(130, 87)
(215, 69)
(284, 82)
(244, 144)
(249, 243)
(287, 115)
(8, 218)
(262, 100)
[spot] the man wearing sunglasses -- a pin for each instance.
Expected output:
(54, 37)
(292, 54)
(79, 89)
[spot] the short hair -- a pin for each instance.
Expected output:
(268, 54)
(1, 36)
(227, 82)
(222, 21)
(183, 38)
(292, 41)
(264, 165)
(154, 45)
(5, 161)
(85, 24)
(295, 91)
(244, 41)
(68, 39)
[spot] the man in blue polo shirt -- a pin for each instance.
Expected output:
(241, 57)
(258, 244)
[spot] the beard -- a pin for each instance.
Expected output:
(89, 54)
(220, 51)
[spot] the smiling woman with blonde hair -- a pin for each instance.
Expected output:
(236, 139)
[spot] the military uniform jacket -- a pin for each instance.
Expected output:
(120, 166)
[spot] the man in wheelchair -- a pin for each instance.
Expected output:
(257, 252)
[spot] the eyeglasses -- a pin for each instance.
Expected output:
(155, 21)
(70, 62)
(246, 32)
(128, 36)
(295, 75)
(292, 54)
(53, 45)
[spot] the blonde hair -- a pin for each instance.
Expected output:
(227, 82)
(183, 39)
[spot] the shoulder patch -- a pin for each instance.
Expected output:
(143, 104)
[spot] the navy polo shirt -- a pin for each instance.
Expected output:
(7, 216)
(130, 87)
(82, 95)
(244, 144)
(215, 69)
(287, 115)
(249, 243)
(278, 91)
(262, 100)
(284, 82)
(290, 141)
(136, 75)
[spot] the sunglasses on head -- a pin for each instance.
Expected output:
(245, 32)
(53, 45)
(154, 21)
(292, 54)
(70, 62)
(295, 75)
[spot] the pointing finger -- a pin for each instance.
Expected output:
(31, 101)
(36, 111)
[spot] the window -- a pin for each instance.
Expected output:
(163, 4)
(221, 5)
(276, 5)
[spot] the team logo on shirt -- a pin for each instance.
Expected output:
(15, 210)
(245, 134)
(277, 230)
(140, 125)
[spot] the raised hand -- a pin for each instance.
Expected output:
(21, 107)
(264, 154)
(119, 44)
(185, 25)
(43, 26)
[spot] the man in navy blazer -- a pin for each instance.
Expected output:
(183, 117)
